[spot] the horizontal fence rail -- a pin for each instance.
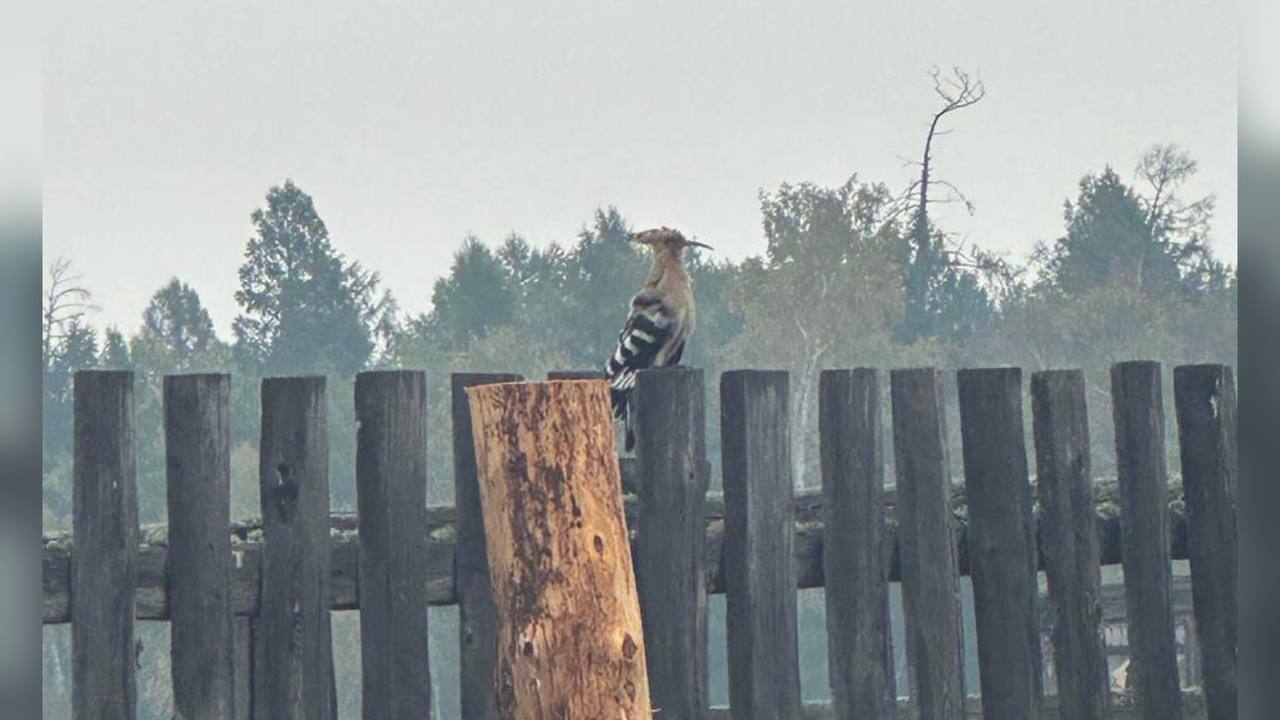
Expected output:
(250, 603)
(442, 545)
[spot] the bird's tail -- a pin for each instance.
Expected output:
(622, 411)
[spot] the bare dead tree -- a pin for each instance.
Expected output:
(1164, 168)
(64, 303)
(958, 90)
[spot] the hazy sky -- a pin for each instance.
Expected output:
(413, 124)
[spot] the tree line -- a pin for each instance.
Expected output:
(856, 274)
(849, 275)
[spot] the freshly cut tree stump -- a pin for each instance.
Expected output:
(569, 633)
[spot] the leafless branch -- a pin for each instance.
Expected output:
(65, 302)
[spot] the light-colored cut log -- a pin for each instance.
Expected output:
(570, 643)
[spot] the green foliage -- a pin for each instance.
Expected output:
(943, 299)
(75, 347)
(304, 308)
(477, 295)
(115, 351)
(605, 269)
(177, 333)
(1153, 242)
(842, 281)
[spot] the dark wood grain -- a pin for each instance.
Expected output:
(576, 375)
(197, 436)
(1001, 542)
(854, 557)
(930, 573)
(759, 577)
(1205, 398)
(246, 567)
(1138, 409)
(477, 624)
(1069, 542)
(296, 678)
(242, 664)
(104, 566)
(671, 538)
(391, 498)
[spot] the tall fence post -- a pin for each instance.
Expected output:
(1205, 399)
(391, 498)
(570, 637)
(759, 579)
(243, 666)
(197, 438)
(296, 669)
(1069, 539)
(104, 557)
(671, 538)
(854, 557)
(1144, 537)
(477, 622)
(927, 538)
(1002, 551)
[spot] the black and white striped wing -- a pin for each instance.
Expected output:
(647, 330)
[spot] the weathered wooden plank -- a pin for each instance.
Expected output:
(576, 375)
(930, 576)
(1001, 542)
(391, 498)
(242, 664)
(296, 675)
(671, 538)
(104, 566)
(152, 603)
(855, 557)
(197, 436)
(477, 624)
(759, 578)
(1069, 541)
(1205, 399)
(1055, 709)
(1138, 409)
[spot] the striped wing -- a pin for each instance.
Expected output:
(648, 329)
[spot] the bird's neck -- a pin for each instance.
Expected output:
(668, 267)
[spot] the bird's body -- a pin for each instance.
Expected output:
(661, 320)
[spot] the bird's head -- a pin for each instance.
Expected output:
(665, 240)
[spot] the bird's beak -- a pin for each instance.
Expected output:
(698, 244)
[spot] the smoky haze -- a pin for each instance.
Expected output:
(417, 124)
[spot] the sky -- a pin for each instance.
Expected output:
(415, 124)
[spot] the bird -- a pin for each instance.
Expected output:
(660, 321)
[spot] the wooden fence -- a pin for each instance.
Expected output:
(250, 615)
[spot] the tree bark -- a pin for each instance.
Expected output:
(570, 643)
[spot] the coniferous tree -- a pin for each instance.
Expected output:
(304, 307)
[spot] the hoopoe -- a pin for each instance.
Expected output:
(661, 320)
